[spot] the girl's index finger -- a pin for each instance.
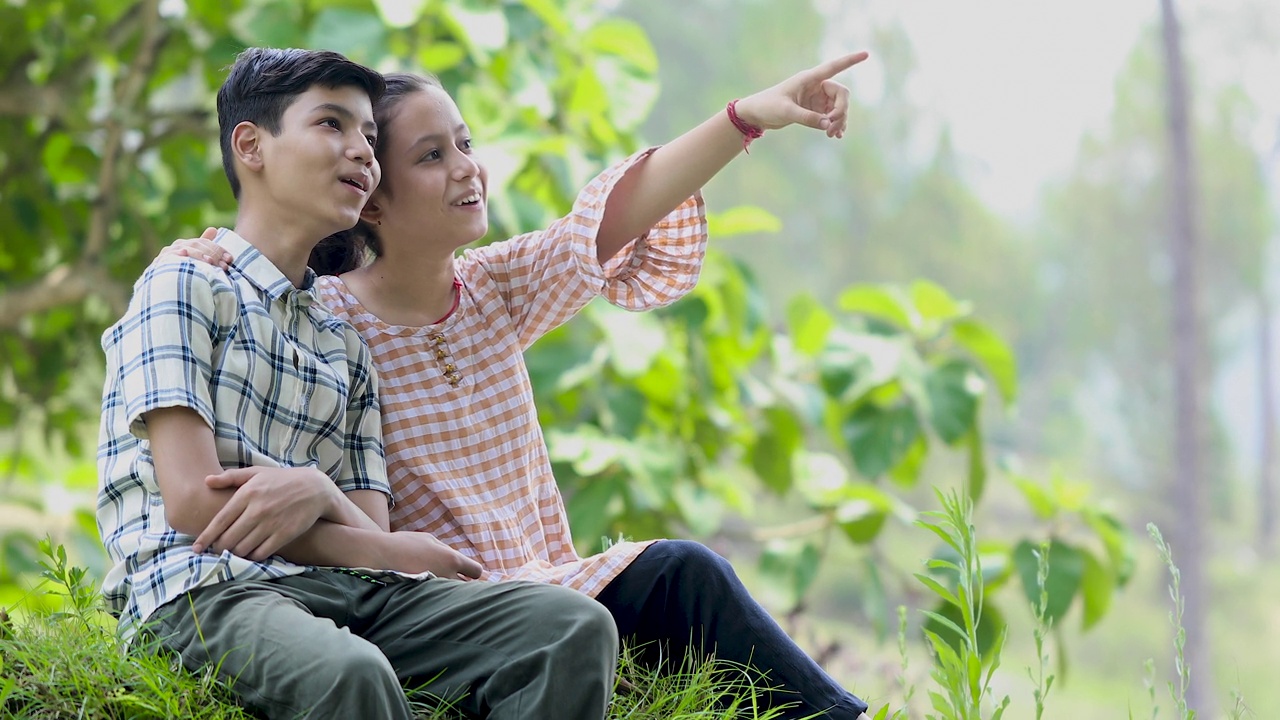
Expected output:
(833, 67)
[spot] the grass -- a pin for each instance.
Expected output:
(59, 667)
(69, 664)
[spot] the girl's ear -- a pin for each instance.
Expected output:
(245, 146)
(372, 212)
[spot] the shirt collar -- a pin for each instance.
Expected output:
(261, 272)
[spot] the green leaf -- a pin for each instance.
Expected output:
(1037, 497)
(742, 220)
(946, 620)
(907, 472)
(954, 389)
(878, 438)
(700, 509)
(1117, 540)
(1066, 570)
(792, 565)
(273, 24)
(886, 303)
(631, 94)
(809, 323)
(57, 150)
(626, 40)
(588, 509)
(935, 303)
(625, 407)
(992, 352)
(772, 454)
(1097, 585)
(441, 55)
(358, 35)
(938, 588)
(861, 511)
(977, 481)
(551, 13)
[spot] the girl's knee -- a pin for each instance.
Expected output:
(693, 560)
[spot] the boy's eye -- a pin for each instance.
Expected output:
(373, 140)
(330, 122)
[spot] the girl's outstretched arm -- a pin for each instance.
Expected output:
(676, 170)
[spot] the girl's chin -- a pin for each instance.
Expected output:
(476, 237)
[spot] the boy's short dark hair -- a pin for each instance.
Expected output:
(263, 82)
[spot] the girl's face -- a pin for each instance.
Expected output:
(438, 188)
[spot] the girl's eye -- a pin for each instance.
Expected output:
(466, 144)
(432, 155)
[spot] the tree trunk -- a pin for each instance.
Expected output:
(1189, 487)
(1267, 460)
(1267, 446)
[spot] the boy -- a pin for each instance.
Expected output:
(240, 448)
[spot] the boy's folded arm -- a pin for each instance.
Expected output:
(183, 451)
(256, 513)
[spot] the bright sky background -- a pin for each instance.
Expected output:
(1019, 81)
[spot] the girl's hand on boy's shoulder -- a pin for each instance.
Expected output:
(202, 248)
(811, 98)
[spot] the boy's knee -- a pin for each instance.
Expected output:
(358, 664)
(588, 624)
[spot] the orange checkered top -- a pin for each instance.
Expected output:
(465, 454)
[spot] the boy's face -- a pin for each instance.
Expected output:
(320, 169)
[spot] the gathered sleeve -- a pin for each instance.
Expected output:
(545, 277)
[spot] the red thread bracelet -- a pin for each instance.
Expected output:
(749, 132)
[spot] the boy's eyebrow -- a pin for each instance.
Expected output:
(346, 114)
(435, 137)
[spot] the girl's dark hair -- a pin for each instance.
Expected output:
(349, 249)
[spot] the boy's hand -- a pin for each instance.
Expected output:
(811, 98)
(271, 507)
(409, 551)
(202, 248)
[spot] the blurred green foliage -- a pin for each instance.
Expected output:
(671, 423)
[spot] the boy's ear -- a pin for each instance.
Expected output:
(245, 145)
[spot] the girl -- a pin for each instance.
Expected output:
(464, 450)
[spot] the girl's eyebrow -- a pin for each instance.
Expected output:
(437, 137)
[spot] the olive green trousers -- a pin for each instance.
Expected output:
(327, 644)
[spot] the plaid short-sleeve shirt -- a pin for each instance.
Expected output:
(279, 379)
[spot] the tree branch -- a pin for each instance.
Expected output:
(65, 285)
(170, 125)
(128, 93)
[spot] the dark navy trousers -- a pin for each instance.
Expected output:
(678, 591)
